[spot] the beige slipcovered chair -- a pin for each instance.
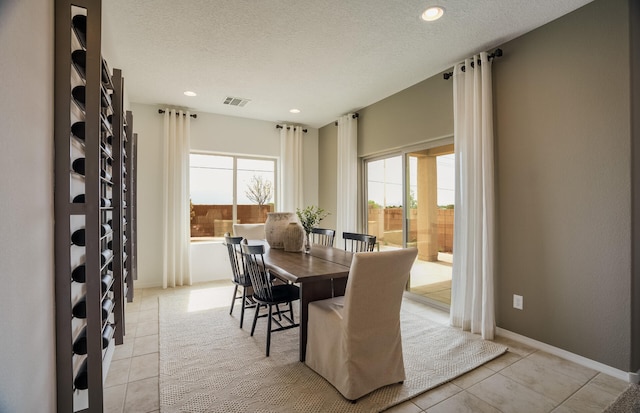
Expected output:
(354, 341)
(249, 231)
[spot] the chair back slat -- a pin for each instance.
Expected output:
(257, 271)
(323, 236)
(358, 242)
(235, 257)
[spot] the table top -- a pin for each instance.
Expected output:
(320, 264)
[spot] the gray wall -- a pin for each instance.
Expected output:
(420, 113)
(27, 335)
(563, 141)
(328, 172)
(634, 19)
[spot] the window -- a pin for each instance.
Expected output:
(229, 189)
(410, 198)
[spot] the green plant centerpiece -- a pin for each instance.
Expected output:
(309, 218)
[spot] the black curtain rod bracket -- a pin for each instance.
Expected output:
(193, 115)
(496, 53)
(354, 116)
(289, 127)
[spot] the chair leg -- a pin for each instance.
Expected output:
(269, 315)
(233, 300)
(278, 310)
(244, 302)
(291, 311)
(255, 319)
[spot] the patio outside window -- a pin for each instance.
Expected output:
(229, 189)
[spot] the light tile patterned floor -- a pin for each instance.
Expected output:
(523, 380)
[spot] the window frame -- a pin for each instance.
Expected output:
(235, 157)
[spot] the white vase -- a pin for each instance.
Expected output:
(276, 225)
(294, 237)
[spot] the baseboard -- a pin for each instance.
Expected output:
(583, 361)
(141, 285)
(154, 284)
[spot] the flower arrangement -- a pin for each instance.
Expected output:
(310, 217)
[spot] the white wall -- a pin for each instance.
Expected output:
(209, 132)
(27, 329)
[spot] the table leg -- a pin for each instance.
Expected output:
(339, 285)
(310, 291)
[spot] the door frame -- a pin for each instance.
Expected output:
(404, 153)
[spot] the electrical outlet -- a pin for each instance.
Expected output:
(517, 301)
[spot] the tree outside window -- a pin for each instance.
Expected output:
(229, 189)
(259, 190)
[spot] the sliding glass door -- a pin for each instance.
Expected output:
(430, 184)
(411, 204)
(385, 201)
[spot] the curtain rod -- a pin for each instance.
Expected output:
(496, 53)
(193, 115)
(354, 116)
(289, 127)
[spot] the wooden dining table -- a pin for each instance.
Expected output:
(320, 274)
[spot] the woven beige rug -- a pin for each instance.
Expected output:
(208, 364)
(627, 402)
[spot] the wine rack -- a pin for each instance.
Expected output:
(94, 207)
(130, 201)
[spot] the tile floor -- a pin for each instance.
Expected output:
(432, 279)
(523, 380)
(437, 291)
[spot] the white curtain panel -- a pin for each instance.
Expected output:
(291, 168)
(176, 231)
(347, 199)
(472, 294)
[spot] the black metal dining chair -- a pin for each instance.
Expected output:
(323, 236)
(358, 242)
(268, 295)
(240, 278)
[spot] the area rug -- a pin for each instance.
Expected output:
(627, 402)
(209, 364)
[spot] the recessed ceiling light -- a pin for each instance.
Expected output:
(295, 111)
(190, 93)
(432, 13)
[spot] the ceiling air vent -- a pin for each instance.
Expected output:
(229, 100)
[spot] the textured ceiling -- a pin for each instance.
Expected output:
(324, 57)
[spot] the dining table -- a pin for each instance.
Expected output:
(321, 273)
